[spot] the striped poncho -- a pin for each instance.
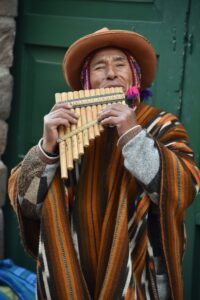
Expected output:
(94, 241)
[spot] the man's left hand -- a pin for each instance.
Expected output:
(119, 115)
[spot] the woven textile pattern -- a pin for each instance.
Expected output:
(113, 259)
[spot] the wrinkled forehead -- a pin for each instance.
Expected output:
(108, 52)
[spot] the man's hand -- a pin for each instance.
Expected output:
(60, 114)
(119, 115)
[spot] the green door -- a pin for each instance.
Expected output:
(190, 116)
(47, 27)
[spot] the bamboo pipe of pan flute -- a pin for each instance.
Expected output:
(102, 92)
(89, 117)
(62, 148)
(84, 121)
(99, 108)
(94, 114)
(79, 125)
(68, 144)
(75, 154)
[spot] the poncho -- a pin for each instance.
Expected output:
(111, 215)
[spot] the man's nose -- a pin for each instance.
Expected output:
(111, 73)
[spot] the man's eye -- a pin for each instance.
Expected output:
(120, 65)
(99, 68)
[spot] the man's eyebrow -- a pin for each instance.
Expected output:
(119, 58)
(102, 60)
(99, 61)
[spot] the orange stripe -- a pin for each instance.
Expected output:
(69, 254)
(194, 172)
(142, 208)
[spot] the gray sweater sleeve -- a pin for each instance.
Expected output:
(142, 160)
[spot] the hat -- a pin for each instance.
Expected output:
(137, 45)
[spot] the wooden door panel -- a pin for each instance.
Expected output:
(43, 78)
(105, 10)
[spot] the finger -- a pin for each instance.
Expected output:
(113, 110)
(108, 113)
(52, 121)
(116, 106)
(116, 111)
(52, 124)
(61, 105)
(63, 112)
(111, 121)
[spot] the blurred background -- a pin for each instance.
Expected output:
(31, 73)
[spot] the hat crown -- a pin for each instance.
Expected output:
(104, 29)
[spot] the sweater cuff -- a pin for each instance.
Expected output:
(46, 158)
(128, 135)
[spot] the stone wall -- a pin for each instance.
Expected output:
(8, 11)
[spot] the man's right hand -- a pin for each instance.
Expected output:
(60, 114)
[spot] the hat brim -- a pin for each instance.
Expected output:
(138, 46)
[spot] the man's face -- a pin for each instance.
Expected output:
(110, 68)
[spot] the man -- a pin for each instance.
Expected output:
(116, 229)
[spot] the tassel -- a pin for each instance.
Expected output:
(145, 94)
(133, 97)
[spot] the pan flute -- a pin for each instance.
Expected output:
(87, 104)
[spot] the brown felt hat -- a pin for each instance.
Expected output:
(137, 45)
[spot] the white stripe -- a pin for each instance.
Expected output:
(153, 124)
(136, 297)
(162, 113)
(190, 154)
(165, 125)
(36, 294)
(197, 188)
(132, 242)
(130, 223)
(45, 273)
(150, 249)
(172, 143)
(146, 284)
(129, 266)
(75, 238)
